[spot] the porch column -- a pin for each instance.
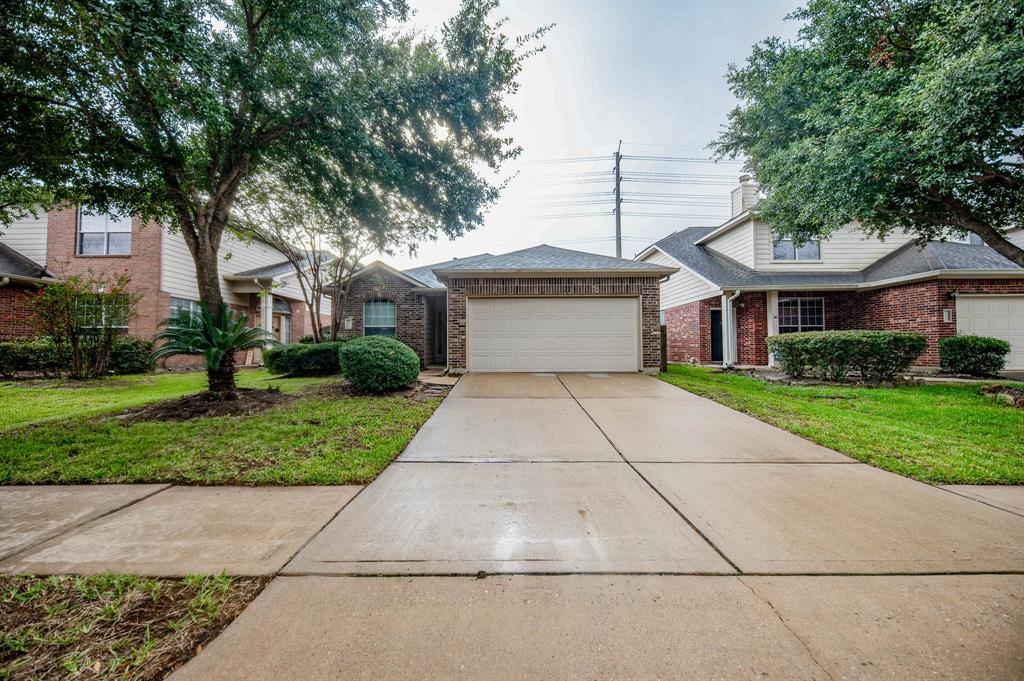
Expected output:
(773, 319)
(267, 312)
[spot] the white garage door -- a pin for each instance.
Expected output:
(996, 316)
(553, 334)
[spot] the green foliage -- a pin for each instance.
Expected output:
(130, 355)
(974, 355)
(832, 355)
(216, 338)
(82, 315)
(308, 338)
(304, 359)
(376, 364)
(902, 114)
(35, 356)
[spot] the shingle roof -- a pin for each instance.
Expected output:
(15, 264)
(905, 261)
(544, 257)
(425, 273)
(275, 270)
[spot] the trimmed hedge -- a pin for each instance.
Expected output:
(833, 355)
(35, 356)
(130, 355)
(304, 359)
(376, 364)
(974, 355)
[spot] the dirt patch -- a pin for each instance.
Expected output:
(113, 626)
(776, 377)
(1005, 393)
(340, 389)
(204, 405)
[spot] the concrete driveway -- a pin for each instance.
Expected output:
(628, 529)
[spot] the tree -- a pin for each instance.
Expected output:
(899, 114)
(166, 109)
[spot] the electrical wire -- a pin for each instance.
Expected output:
(676, 159)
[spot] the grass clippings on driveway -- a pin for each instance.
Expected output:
(934, 433)
(112, 626)
(325, 436)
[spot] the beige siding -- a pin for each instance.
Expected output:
(682, 287)
(848, 249)
(737, 243)
(178, 272)
(744, 198)
(27, 236)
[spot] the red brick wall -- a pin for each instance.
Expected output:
(410, 308)
(688, 328)
(17, 319)
(646, 288)
(751, 328)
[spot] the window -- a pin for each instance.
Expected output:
(104, 234)
(102, 311)
(178, 304)
(801, 314)
(378, 318)
(785, 249)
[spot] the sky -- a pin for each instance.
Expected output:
(649, 73)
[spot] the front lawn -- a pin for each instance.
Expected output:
(322, 437)
(935, 433)
(112, 626)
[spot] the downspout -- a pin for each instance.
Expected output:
(729, 342)
(4, 281)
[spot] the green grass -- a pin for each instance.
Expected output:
(111, 626)
(27, 402)
(934, 433)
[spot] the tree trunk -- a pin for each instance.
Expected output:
(992, 237)
(220, 379)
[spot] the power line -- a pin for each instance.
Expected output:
(677, 216)
(679, 159)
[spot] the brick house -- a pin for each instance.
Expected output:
(71, 241)
(538, 309)
(767, 286)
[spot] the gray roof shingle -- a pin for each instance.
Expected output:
(904, 261)
(14, 264)
(544, 257)
(275, 270)
(425, 273)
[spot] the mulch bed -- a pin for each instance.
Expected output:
(1008, 394)
(112, 626)
(250, 401)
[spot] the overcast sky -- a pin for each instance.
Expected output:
(648, 73)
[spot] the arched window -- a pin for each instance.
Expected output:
(379, 318)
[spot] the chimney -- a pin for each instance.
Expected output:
(745, 196)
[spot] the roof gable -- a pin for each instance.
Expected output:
(545, 258)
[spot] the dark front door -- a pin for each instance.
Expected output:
(716, 335)
(440, 334)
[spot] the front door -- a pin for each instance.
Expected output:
(441, 334)
(716, 335)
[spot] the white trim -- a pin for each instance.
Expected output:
(726, 227)
(772, 310)
(682, 266)
(801, 298)
(391, 270)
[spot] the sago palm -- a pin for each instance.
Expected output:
(216, 338)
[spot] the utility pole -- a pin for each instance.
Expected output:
(618, 201)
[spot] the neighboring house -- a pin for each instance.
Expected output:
(736, 285)
(539, 309)
(73, 241)
(20, 278)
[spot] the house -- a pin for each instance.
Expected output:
(736, 285)
(255, 277)
(540, 309)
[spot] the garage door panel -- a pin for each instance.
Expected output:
(553, 334)
(997, 316)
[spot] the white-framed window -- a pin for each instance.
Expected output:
(178, 304)
(100, 234)
(801, 314)
(103, 311)
(786, 249)
(379, 318)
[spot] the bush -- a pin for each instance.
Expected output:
(301, 359)
(974, 355)
(130, 355)
(831, 355)
(34, 356)
(307, 339)
(376, 364)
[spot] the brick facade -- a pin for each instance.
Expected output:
(16, 317)
(410, 308)
(910, 307)
(645, 288)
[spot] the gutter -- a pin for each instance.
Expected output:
(728, 335)
(6, 279)
(488, 273)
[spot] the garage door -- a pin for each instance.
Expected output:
(553, 334)
(996, 316)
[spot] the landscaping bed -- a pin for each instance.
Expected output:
(112, 626)
(948, 433)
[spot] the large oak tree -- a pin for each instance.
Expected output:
(900, 114)
(167, 108)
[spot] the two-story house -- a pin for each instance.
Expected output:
(255, 278)
(737, 284)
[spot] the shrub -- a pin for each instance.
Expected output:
(974, 355)
(307, 339)
(831, 355)
(304, 359)
(35, 356)
(130, 355)
(378, 363)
